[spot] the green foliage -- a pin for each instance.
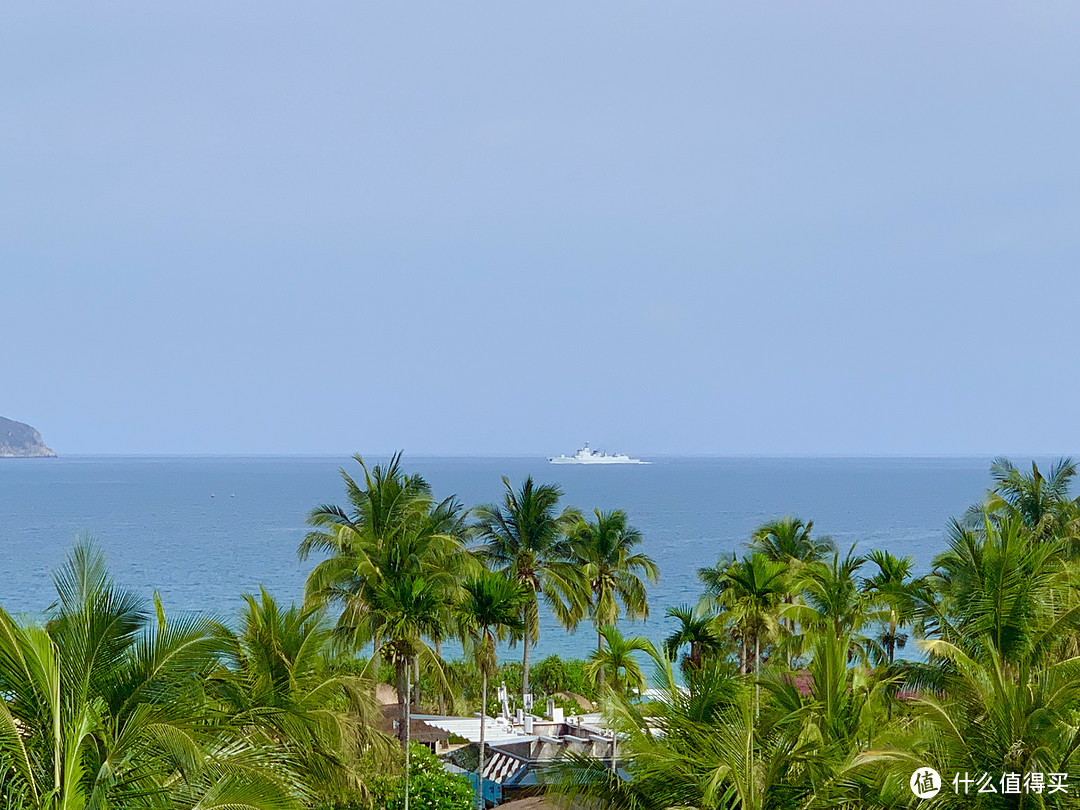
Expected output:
(553, 675)
(604, 550)
(792, 699)
(431, 787)
(107, 705)
(524, 538)
(998, 620)
(396, 560)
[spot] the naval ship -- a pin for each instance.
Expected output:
(587, 455)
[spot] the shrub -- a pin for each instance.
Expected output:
(549, 676)
(553, 675)
(431, 787)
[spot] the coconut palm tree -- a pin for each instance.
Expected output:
(279, 676)
(788, 540)
(893, 589)
(1042, 503)
(1001, 689)
(834, 602)
(603, 550)
(614, 666)
(388, 501)
(996, 719)
(490, 610)
(104, 707)
(1005, 587)
(524, 538)
(697, 630)
(396, 562)
(749, 594)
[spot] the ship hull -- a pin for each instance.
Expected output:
(596, 461)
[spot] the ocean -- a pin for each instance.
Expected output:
(204, 530)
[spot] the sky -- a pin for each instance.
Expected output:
(490, 228)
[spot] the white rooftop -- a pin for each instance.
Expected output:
(496, 730)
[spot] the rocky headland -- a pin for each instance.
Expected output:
(18, 440)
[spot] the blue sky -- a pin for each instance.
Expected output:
(501, 228)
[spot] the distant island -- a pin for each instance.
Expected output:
(18, 440)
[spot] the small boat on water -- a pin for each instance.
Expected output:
(587, 455)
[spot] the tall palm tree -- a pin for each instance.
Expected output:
(834, 601)
(750, 593)
(714, 581)
(893, 588)
(603, 549)
(524, 538)
(789, 540)
(104, 706)
(396, 560)
(490, 610)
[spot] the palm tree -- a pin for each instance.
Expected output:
(490, 609)
(524, 539)
(1001, 689)
(1041, 503)
(698, 746)
(389, 501)
(104, 707)
(996, 719)
(613, 666)
(604, 551)
(788, 540)
(397, 558)
(279, 676)
(696, 629)
(1004, 587)
(834, 601)
(893, 589)
(750, 592)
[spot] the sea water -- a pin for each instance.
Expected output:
(204, 530)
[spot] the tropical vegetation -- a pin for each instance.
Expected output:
(805, 675)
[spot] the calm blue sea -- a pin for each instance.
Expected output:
(204, 530)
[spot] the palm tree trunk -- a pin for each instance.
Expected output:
(757, 674)
(442, 695)
(614, 751)
(525, 666)
(400, 671)
(480, 768)
(416, 681)
(892, 637)
(791, 629)
(600, 649)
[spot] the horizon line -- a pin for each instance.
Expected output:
(537, 456)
